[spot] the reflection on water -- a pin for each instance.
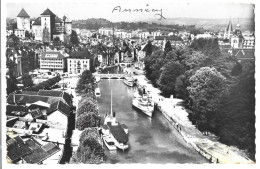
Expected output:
(152, 140)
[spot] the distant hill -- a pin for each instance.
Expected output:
(92, 23)
(216, 24)
(100, 21)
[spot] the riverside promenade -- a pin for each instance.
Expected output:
(208, 146)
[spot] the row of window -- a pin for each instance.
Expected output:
(46, 62)
(51, 59)
(58, 66)
(77, 65)
(76, 61)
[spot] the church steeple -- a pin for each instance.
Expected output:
(229, 30)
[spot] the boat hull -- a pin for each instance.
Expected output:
(131, 84)
(106, 139)
(148, 110)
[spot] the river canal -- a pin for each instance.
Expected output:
(152, 140)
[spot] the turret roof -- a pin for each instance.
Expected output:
(47, 12)
(23, 13)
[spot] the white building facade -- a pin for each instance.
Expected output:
(52, 61)
(77, 65)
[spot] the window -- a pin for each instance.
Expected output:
(234, 41)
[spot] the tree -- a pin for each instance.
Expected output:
(88, 119)
(235, 114)
(56, 41)
(15, 39)
(195, 60)
(152, 66)
(206, 86)
(170, 72)
(148, 49)
(74, 38)
(27, 34)
(11, 85)
(27, 80)
(90, 150)
(85, 83)
(168, 47)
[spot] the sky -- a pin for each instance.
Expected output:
(104, 10)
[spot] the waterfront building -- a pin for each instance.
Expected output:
(79, 61)
(77, 65)
(52, 61)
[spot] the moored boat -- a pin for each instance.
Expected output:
(143, 101)
(109, 142)
(116, 131)
(129, 81)
(97, 92)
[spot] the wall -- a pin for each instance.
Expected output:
(59, 118)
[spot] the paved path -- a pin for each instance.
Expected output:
(208, 146)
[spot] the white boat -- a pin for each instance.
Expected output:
(118, 132)
(109, 142)
(97, 79)
(143, 102)
(97, 92)
(129, 81)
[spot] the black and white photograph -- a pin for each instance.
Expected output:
(128, 82)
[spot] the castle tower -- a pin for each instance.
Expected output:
(23, 20)
(47, 25)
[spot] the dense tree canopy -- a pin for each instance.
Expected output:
(74, 38)
(217, 89)
(27, 80)
(90, 150)
(85, 83)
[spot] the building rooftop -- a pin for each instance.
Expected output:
(48, 12)
(244, 54)
(62, 107)
(37, 21)
(16, 148)
(23, 14)
(52, 54)
(58, 20)
(40, 153)
(16, 110)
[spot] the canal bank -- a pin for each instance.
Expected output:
(152, 140)
(208, 146)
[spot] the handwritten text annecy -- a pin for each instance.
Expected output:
(158, 13)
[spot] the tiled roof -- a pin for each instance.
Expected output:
(58, 55)
(37, 21)
(16, 110)
(43, 95)
(58, 20)
(23, 13)
(23, 99)
(36, 114)
(29, 92)
(50, 93)
(62, 107)
(47, 12)
(81, 54)
(40, 153)
(244, 53)
(16, 148)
